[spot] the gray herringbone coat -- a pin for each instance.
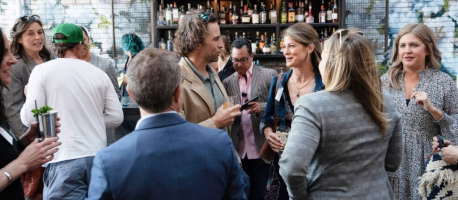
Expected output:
(259, 86)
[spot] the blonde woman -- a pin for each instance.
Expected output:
(425, 97)
(225, 65)
(344, 138)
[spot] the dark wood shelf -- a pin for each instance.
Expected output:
(244, 26)
(247, 25)
(313, 24)
(167, 27)
(269, 55)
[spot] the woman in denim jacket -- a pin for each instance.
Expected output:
(303, 54)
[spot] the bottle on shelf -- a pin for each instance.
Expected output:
(189, 9)
(291, 13)
(266, 47)
(254, 43)
(241, 8)
(322, 18)
(248, 36)
(262, 42)
(236, 35)
(245, 16)
(282, 45)
(235, 17)
(162, 44)
(250, 9)
(335, 13)
(175, 13)
(255, 15)
(168, 15)
(273, 45)
(310, 18)
(208, 8)
(322, 39)
(182, 13)
(212, 12)
(273, 14)
(228, 35)
(300, 12)
(222, 15)
(329, 12)
(169, 42)
(283, 13)
(258, 39)
(263, 15)
(243, 35)
(160, 17)
(229, 14)
(325, 36)
(306, 13)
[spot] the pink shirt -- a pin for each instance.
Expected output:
(247, 145)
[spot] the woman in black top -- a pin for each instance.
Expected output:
(13, 163)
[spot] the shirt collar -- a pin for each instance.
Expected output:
(201, 77)
(249, 73)
(151, 115)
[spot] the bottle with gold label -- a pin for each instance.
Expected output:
(283, 13)
(273, 45)
(262, 42)
(282, 45)
(291, 13)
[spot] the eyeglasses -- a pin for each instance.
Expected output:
(345, 32)
(243, 60)
(25, 18)
(204, 16)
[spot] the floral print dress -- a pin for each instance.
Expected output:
(419, 127)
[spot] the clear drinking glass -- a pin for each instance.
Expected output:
(283, 135)
(125, 101)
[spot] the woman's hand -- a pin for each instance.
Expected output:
(435, 144)
(422, 99)
(33, 132)
(38, 153)
(273, 139)
(450, 155)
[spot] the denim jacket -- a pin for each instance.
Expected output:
(279, 107)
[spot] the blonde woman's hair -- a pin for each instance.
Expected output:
(226, 50)
(305, 34)
(351, 66)
(433, 59)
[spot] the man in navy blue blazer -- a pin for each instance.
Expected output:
(165, 157)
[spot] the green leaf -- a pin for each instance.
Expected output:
(42, 110)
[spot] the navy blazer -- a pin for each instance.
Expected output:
(167, 157)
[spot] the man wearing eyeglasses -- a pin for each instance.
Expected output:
(249, 81)
(197, 41)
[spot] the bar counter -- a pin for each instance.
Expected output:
(131, 117)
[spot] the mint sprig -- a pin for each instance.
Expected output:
(42, 110)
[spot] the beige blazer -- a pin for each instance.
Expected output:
(197, 104)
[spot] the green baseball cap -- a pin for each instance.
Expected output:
(73, 32)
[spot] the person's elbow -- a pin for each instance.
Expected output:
(393, 166)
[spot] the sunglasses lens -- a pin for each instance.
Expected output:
(24, 18)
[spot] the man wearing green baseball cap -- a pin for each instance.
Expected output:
(87, 104)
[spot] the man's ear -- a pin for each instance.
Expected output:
(128, 92)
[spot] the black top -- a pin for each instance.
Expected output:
(8, 153)
(227, 70)
(123, 87)
(407, 102)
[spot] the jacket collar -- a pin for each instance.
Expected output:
(167, 119)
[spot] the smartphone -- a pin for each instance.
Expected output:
(245, 105)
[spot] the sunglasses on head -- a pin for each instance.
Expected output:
(204, 16)
(345, 32)
(26, 18)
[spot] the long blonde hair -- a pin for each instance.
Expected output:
(432, 60)
(351, 66)
(305, 34)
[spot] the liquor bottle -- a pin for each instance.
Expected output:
(273, 14)
(325, 36)
(245, 16)
(283, 13)
(236, 35)
(160, 17)
(306, 13)
(335, 13)
(241, 8)
(222, 15)
(322, 39)
(258, 50)
(201, 8)
(329, 13)
(266, 48)
(182, 14)
(249, 36)
(228, 35)
(262, 42)
(162, 44)
(168, 15)
(229, 14)
(300, 12)
(322, 18)
(255, 15)
(291, 13)
(212, 12)
(244, 35)
(169, 42)
(175, 13)
(235, 17)
(310, 18)
(250, 9)
(208, 7)
(189, 9)
(263, 16)
(273, 45)
(282, 45)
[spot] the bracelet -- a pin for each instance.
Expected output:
(10, 178)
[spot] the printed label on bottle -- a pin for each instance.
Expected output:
(273, 14)
(245, 19)
(266, 50)
(255, 18)
(329, 15)
(175, 14)
(168, 15)
(334, 15)
(300, 18)
(323, 19)
(273, 49)
(263, 18)
(253, 46)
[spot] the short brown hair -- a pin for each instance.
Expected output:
(192, 31)
(60, 49)
(153, 77)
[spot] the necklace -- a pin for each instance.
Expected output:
(302, 86)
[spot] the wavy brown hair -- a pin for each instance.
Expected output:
(192, 31)
(19, 28)
(432, 60)
(305, 34)
(351, 66)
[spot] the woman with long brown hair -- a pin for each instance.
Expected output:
(425, 97)
(344, 138)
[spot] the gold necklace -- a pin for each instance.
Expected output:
(302, 86)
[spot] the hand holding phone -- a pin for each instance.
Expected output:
(245, 105)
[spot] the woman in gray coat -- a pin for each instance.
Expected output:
(343, 139)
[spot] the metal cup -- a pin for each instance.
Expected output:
(48, 123)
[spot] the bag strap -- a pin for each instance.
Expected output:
(274, 128)
(278, 80)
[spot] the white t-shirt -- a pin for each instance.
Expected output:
(85, 100)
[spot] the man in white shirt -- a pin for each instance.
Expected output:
(87, 104)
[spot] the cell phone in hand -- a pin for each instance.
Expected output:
(245, 105)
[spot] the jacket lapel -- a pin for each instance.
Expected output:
(255, 81)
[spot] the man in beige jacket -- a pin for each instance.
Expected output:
(197, 41)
